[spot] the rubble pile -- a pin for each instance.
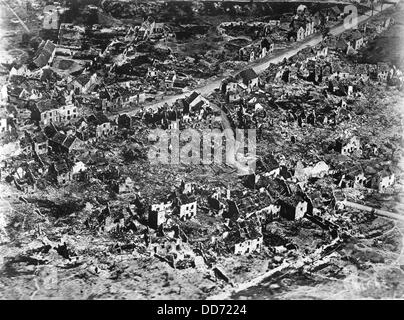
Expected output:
(100, 183)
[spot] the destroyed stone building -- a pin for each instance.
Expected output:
(98, 89)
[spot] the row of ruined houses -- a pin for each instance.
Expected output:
(382, 181)
(253, 52)
(25, 175)
(234, 210)
(320, 70)
(61, 139)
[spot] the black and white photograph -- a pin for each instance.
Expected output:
(215, 151)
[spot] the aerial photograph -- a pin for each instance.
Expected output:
(201, 150)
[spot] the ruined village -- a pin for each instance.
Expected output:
(85, 86)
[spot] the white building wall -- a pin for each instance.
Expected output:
(301, 209)
(3, 125)
(188, 210)
(161, 207)
(248, 246)
(50, 116)
(386, 182)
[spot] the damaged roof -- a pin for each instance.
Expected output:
(184, 199)
(83, 79)
(98, 118)
(356, 35)
(48, 104)
(59, 138)
(248, 74)
(50, 130)
(69, 141)
(64, 140)
(268, 163)
(192, 97)
(44, 53)
(40, 138)
(62, 166)
(242, 231)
